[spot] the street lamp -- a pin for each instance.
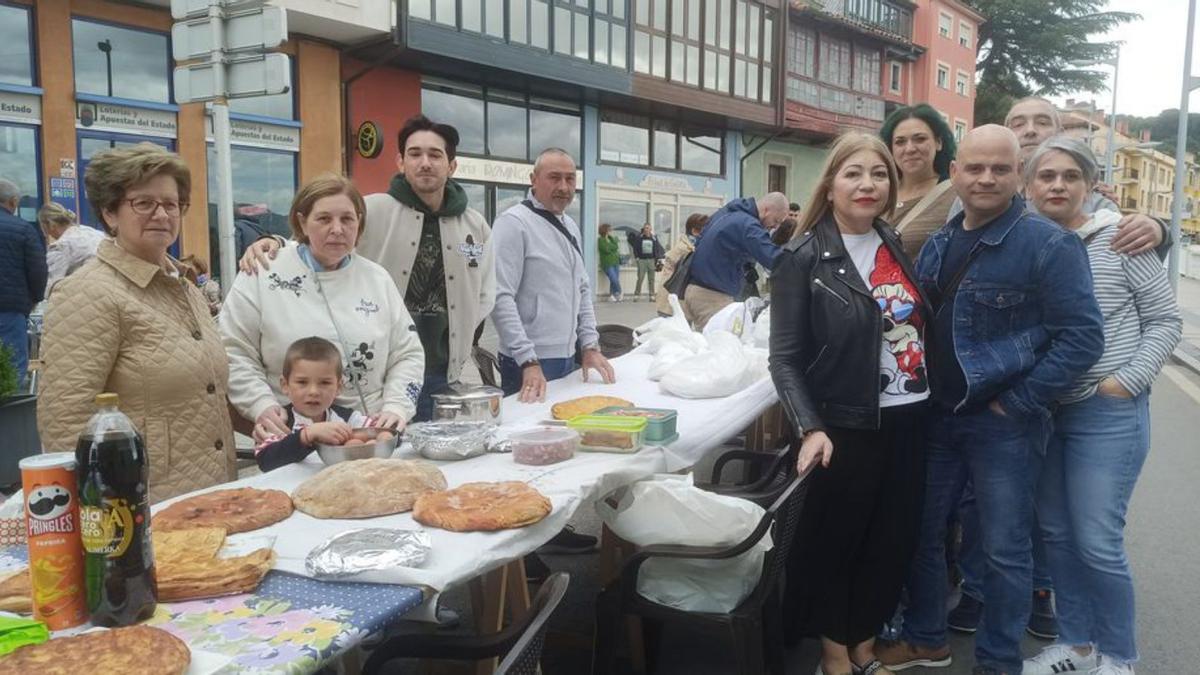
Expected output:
(105, 46)
(1189, 83)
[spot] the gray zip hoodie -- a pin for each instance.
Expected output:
(543, 296)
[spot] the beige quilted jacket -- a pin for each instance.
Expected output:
(123, 325)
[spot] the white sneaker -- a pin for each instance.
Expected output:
(1057, 659)
(1107, 667)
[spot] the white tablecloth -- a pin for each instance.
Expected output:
(457, 557)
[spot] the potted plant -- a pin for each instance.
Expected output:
(18, 421)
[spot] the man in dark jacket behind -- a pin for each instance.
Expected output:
(648, 254)
(737, 234)
(22, 276)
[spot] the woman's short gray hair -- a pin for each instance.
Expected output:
(1073, 148)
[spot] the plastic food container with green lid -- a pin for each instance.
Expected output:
(660, 422)
(598, 433)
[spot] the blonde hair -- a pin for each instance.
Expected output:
(846, 145)
(111, 174)
(54, 214)
(325, 185)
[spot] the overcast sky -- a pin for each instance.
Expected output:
(1151, 59)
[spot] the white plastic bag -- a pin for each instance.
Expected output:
(654, 334)
(724, 369)
(668, 355)
(669, 509)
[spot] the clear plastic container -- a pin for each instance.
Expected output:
(598, 433)
(547, 445)
(660, 422)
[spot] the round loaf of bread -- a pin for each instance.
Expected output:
(367, 488)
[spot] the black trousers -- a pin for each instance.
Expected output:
(858, 531)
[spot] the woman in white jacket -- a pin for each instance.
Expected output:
(321, 287)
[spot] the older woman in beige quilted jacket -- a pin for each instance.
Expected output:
(129, 322)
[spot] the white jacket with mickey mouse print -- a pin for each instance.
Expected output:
(265, 313)
(391, 238)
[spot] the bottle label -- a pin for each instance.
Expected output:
(107, 527)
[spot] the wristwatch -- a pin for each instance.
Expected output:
(531, 363)
(594, 347)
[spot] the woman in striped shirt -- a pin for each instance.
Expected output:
(1101, 429)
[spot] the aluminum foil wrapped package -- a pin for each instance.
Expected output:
(449, 440)
(368, 549)
(498, 441)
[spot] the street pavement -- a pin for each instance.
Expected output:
(1161, 536)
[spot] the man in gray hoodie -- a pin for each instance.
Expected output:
(543, 313)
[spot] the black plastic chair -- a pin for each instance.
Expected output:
(755, 625)
(487, 364)
(615, 340)
(772, 470)
(520, 644)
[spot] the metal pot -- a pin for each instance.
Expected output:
(468, 404)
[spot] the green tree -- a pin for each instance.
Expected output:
(1028, 47)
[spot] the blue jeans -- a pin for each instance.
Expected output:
(1002, 457)
(433, 384)
(511, 373)
(971, 561)
(613, 272)
(14, 333)
(1092, 463)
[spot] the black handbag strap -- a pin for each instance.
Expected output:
(553, 220)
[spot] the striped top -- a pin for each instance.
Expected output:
(1142, 323)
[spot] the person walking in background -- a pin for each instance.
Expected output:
(648, 254)
(679, 250)
(857, 396)
(923, 147)
(794, 211)
(71, 245)
(23, 276)
(608, 249)
(738, 233)
(196, 270)
(1101, 427)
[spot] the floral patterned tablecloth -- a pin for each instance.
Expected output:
(291, 624)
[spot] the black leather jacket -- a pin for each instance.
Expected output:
(827, 331)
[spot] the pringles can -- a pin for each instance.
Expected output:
(55, 547)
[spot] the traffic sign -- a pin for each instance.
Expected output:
(258, 75)
(254, 29)
(191, 9)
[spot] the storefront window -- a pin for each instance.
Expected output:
(626, 139)
(17, 65)
(19, 163)
(121, 62)
(507, 133)
(463, 112)
(625, 219)
(517, 128)
(264, 183)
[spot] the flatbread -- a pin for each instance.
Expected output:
(16, 592)
(187, 566)
(233, 510)
(367, 488)
(482, 507)
(586, 405)
(213, 577)
(134, 650)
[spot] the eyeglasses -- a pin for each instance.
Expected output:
(147, 207)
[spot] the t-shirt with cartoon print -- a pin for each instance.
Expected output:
(903, 378)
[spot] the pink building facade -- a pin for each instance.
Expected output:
(944, 75)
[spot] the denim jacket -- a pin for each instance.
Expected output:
(1026, 322)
